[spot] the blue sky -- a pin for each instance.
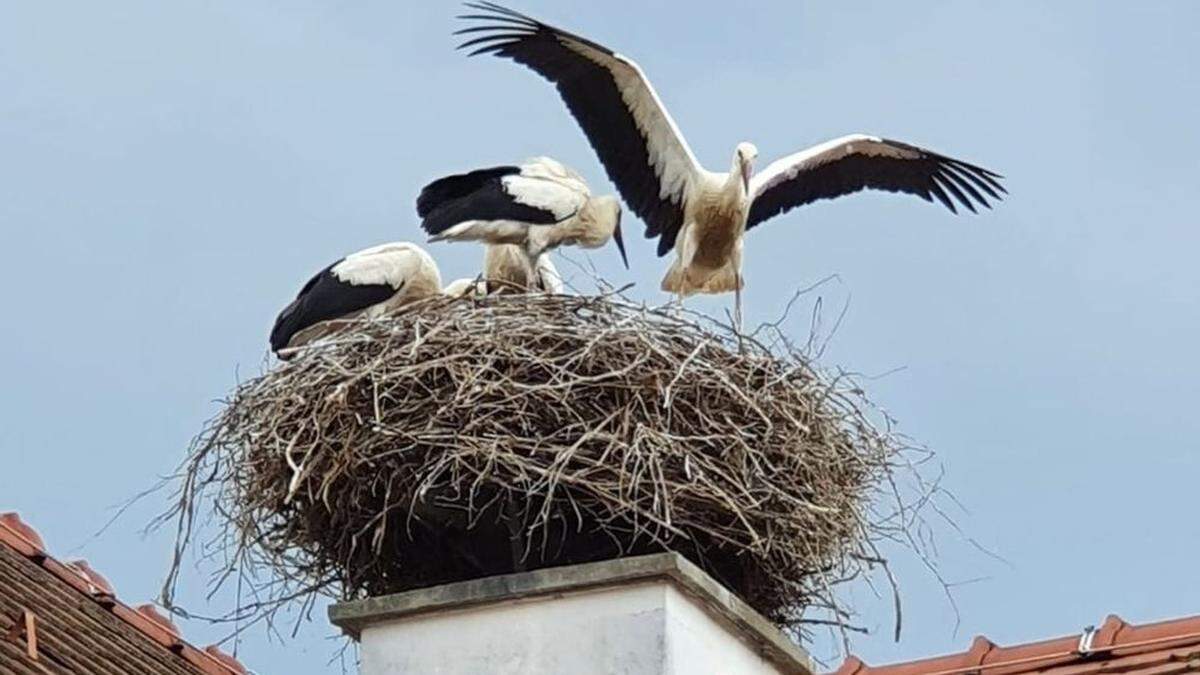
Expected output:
(170, 173)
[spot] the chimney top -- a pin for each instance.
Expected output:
(702, 601)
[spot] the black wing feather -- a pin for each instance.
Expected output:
(930, 176)
(323, 298)
(457, 186)
(478, 195)
(594, 101)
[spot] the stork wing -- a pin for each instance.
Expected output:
(384, 265)
(451, 188)
(549, 186)
(846, 165)
(637, 141)
(323, 298)
(507, 195)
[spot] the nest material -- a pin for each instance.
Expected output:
(469, 438)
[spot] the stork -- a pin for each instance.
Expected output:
(507, 266)
(370, 283)
(535, 207)
(700, 214)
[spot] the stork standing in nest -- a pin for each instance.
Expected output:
(522, 213)
(700, 214)
(506, 266)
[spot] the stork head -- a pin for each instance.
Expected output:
(743, 163)
(604, 214)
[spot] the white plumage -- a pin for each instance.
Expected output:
(700, 214)
(536, 207)
(506, 267)
(545, 183)
(401, 265)
(371, 282)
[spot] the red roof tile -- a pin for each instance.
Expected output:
(99, 586)
(1162, 648)
(44, 628)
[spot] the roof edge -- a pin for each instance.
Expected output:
(18, 535)
(1113, 640)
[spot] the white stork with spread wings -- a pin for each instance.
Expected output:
(701, 214)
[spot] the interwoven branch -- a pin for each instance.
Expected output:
(475, 437)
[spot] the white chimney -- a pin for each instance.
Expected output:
(650, 615)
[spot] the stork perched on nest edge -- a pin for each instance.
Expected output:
(370, 282)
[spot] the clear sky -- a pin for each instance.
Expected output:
(171, 172)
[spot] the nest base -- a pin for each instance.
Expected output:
(471, 438)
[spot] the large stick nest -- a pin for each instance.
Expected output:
(468, 438)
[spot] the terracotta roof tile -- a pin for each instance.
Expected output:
(70, 636)
(24, 537)
(1161, 648)
(98, 585)
(230, 662)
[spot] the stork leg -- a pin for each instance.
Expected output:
(737, 304)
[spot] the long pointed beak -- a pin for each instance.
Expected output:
(746, 171)
(620, 243)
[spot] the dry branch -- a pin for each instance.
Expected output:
(475, 437)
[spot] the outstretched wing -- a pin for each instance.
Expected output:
(627, 125)
(852, 163)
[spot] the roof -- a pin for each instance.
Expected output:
(64, 617)
(1163, 648)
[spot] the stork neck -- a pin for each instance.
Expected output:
(567, 233)
(735, 189)
(734, 179)
(735, 186)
